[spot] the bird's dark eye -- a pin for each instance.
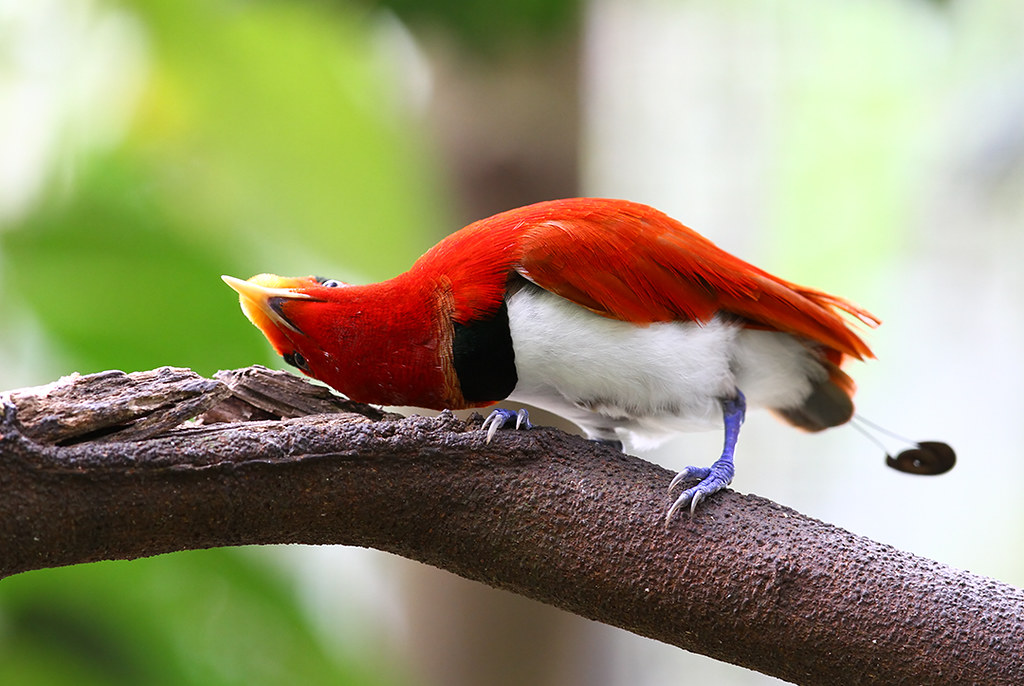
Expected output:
(296, 359)
(329, 283)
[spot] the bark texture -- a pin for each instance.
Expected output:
(107, 467)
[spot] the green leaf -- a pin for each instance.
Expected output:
(202, 617)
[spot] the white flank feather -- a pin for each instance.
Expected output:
(642, 384)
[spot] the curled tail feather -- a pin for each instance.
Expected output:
(829, 404)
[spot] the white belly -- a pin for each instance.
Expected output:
(644, 383)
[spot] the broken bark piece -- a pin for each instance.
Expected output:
(270, 393)
(113, 405)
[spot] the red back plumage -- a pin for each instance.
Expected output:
(631, 262)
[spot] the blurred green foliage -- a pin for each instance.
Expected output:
(485, 26)
(200, 617)
(264, 140)
(868, 128)
(263, 136)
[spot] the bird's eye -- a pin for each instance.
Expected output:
(330, 283)
(296, 359)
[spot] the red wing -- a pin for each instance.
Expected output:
(630, 262)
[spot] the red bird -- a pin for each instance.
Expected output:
(607, 312)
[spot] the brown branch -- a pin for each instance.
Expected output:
(100, 467)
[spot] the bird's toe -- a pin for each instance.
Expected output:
(500, 417)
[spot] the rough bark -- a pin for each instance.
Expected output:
(103, 467)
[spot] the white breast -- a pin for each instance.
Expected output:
(644, 383)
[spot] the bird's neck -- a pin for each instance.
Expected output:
(394, 342)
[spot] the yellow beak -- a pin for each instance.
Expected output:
(257, 300)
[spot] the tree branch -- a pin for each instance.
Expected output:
(101, 467)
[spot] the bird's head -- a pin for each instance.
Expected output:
(289, 312)
(388, 343)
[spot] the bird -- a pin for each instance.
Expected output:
(606, 312)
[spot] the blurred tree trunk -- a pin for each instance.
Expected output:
(508, 130)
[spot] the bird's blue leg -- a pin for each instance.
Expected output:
(499, 417)
(717, 476)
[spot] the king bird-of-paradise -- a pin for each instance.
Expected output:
(606, 312)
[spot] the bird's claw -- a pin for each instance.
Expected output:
(719, 475)
(712, 480)
(499, 417)
(689, 473)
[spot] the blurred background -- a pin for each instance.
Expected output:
(872, 148)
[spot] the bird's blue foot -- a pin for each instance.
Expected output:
(717, 476)
(499, 417)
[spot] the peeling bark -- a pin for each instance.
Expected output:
(106, 467)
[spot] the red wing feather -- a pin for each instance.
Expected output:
(631, 262)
